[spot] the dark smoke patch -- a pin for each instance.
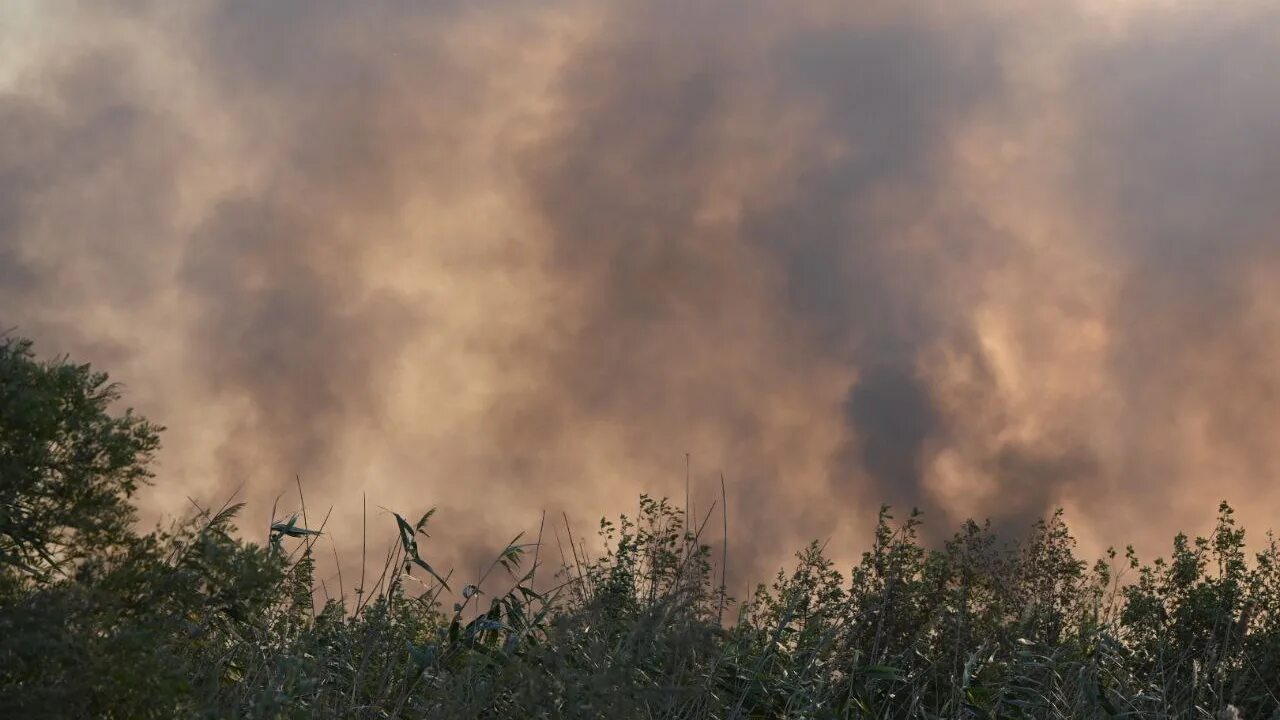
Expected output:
(86, 169)
(890, 96)
(619, 186)
(302, 341)
(1029, 480)
(893, 419)
(890, 91)
(292, 322)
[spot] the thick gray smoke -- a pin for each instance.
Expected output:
(978, 258)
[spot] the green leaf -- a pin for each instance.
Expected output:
(423, 564)
(291, 529)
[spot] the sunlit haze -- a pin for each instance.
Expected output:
(983, 258)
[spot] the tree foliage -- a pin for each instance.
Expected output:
(68, 465)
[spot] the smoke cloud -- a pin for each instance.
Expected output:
(984, 259)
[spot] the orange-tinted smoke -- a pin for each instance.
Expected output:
(507, 257)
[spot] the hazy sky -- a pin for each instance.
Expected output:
(985, 258)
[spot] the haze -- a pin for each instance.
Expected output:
(984, 258)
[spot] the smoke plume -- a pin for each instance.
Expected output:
(984, 259)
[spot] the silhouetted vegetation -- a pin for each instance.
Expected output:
(98, 620)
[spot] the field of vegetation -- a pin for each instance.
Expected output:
(100, 620)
